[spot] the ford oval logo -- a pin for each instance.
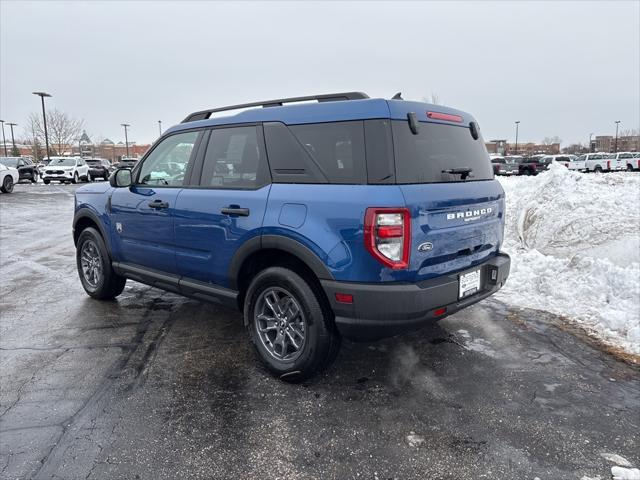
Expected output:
(425, 247)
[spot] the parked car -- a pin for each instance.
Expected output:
(370, 217)
(99, 168)
(66, 170)
(25, 166)
(626, 160)
(531, 166)
(9, 176)
(597, 162)
(564, 159)
(634, 162)
(127, 162)
(504, 166)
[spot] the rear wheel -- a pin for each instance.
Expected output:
(7, 184)
(97, 276)
(89, 177)
(46, 182)
(629, 168)
(293, 335)
(598, 169)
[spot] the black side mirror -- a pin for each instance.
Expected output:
(121, 178)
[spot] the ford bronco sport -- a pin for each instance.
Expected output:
(345, 217)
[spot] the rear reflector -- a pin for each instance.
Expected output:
(440, 311)
(444, 116)
(344, 298)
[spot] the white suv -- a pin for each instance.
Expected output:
(66, 169)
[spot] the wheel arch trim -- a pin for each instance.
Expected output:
(277, 242)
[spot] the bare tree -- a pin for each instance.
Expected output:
(629, 132)
(576, 148)
(433, 99)
(551, 140)
(63, 130)
(34, 136)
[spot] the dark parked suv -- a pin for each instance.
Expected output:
(99, 168)
(26, 168)
(350, 217)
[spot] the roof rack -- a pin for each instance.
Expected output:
(328, 97)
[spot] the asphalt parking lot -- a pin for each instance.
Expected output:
(155, 386)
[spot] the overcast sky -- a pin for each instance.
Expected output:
(565, 69)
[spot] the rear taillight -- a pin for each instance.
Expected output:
(387, 233)
(608, 164)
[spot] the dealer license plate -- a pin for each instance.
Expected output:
(469, 283)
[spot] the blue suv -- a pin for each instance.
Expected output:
(318, 217)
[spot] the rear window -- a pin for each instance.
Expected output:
(426, 156)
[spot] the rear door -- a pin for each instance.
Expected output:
(143, 214)
(456, 217)
(226, 207)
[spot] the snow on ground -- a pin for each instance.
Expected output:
(574, 241)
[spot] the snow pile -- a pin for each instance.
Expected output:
(574, 240)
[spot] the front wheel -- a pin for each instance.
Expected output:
(7, 184)
(293, 335)
(629, 168)
(97, 276)
(75, 178)
(598, 169)
(89, 177)
(46, 182)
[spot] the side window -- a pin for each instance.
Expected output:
(167, 164)
(337, 148)
(581, 158)
(234, 159)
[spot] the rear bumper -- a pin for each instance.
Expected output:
(382, 310)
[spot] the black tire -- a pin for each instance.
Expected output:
(598, 169)
(34, 177)
(75, 178)
(629, 168)
(106, 284)
(89, 178)
(105, 178)
(321, 339)
(7, 184)
(46, 182)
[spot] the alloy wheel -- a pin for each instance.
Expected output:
(280, 324)
(91, 263)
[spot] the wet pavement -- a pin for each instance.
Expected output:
(156, 386)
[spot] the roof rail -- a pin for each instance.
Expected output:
(328, 97)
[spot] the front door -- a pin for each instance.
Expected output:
(142, 215)
(226, 209)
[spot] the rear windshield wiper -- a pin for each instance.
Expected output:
(464, 172)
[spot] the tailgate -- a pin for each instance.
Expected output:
(454, 225)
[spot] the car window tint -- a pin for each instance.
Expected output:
(167, 163)
(234, 159)
(336, 147)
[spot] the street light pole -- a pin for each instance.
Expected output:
(13, 142)
(517, 125)
(126, 138)
(4, 140)
(44, 117)
(616, 144)
(160, 127)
